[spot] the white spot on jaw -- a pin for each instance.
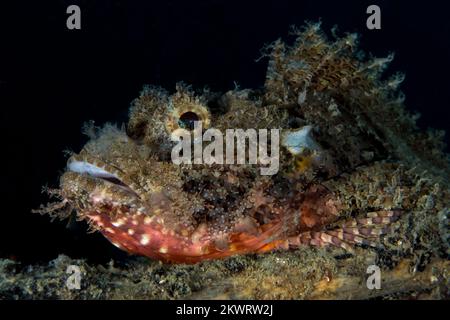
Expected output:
(148, 220)
(130, 232)
(118, 223)
(145, 239)
(163, 250)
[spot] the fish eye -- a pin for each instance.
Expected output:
(187, 120)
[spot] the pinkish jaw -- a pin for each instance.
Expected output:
(144, 235)
(148, 236)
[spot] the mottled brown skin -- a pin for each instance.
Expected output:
(149, 206)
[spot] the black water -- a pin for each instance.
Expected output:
(52, 80)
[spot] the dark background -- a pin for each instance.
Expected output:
(53, 79)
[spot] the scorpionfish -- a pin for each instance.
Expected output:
(335, 115)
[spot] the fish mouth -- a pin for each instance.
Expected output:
(86, 168)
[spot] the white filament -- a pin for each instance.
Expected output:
(90, 169)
